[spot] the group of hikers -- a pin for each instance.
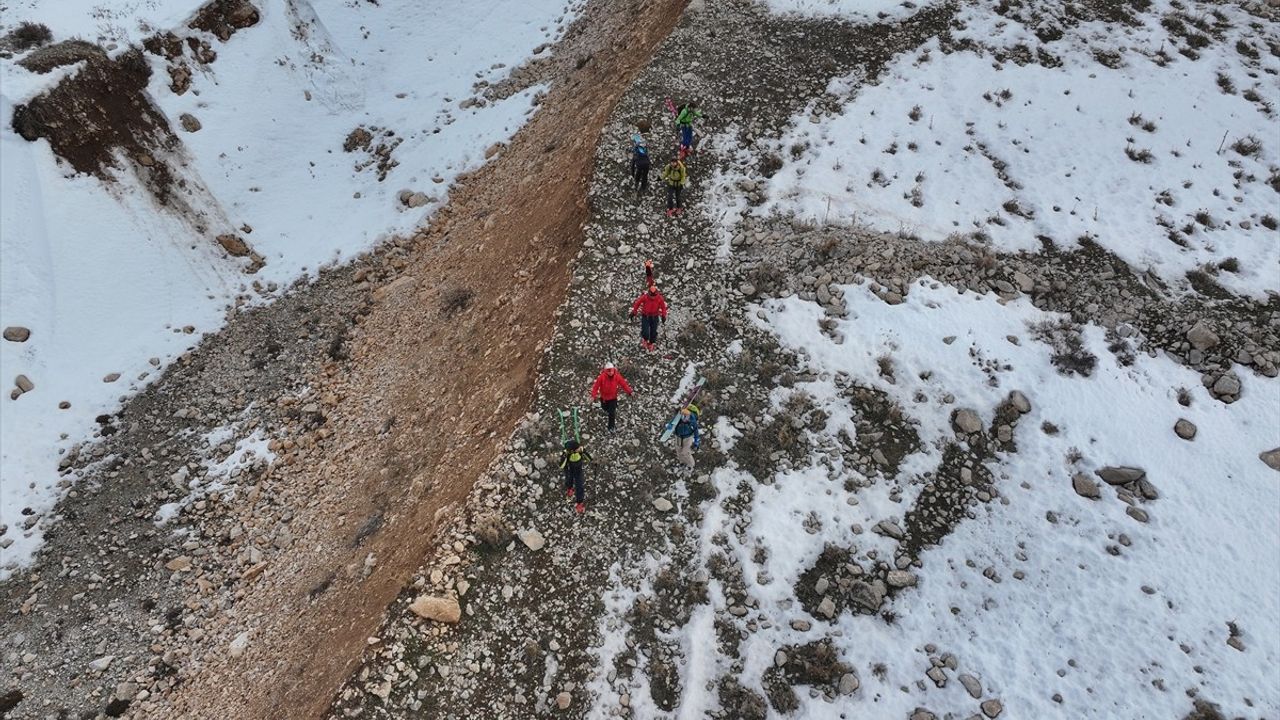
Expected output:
(650, 306)
(674, 174)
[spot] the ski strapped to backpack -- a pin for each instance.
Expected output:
(569, 418)
(687, 401)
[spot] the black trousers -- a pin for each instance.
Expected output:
(640, 174)
(649, 328)
(610, 408)
(573, 478)
(673, 197)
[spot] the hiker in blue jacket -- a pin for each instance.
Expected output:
(687, 436)
(639, 163)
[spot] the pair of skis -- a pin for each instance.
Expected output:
(568, 421)
(692, 394)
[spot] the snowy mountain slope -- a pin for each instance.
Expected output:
(108, 282)
(1152, 132)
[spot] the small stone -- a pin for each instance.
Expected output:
(532, 539)
(779, 658)
(189, 122)
(439, 609)
(900, 578)
(15, 333)
(1201, 336)
(966, 421)
(827, 608)
(239, 644)
(564, 700)
(801, 625)
(1185, 429)
(1019, 402)
(938, 677)
(849, 684)
(1271, 458)
(1121, 475)
(971, 685)
(663, 505)
(1227, 386)
(992, 708)
(24, 383)
(179, 564)
(1085, 486)
(234, 245)
(101, 663)
(110, 377)
(1137, 513)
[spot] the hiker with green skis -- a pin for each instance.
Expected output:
(687, 435)
(676, 177)
(571, 461)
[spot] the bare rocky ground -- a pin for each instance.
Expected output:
(517, 612)
(263, 606)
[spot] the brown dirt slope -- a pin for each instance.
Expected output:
(451, 385)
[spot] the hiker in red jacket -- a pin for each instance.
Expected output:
(653, 309)
(606, 388)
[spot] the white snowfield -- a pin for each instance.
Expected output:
(106, 280)
(1171, 163)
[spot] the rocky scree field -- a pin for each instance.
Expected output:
(989, 455)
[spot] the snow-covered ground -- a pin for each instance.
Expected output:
(862, 10)
(1109, 131)
(107, 281)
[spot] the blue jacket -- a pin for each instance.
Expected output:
(687, 428)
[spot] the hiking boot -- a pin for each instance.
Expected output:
(568, 492)
(579, 508)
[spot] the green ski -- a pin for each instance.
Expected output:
(567, 418)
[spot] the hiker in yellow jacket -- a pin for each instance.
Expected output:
(675, 176)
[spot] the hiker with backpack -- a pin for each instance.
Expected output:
(572, 461)
(605, 389)
(675, 176)
(640, 160)
(687, 436)
(652, 308)
(685, 116)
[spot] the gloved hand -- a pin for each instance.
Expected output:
(697, 443)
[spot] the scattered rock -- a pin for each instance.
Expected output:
(992, 708)
(966, 421)
(1201, 336)
(1137, 513)
(234, 245)
(827, 608)
(1085, 486)
(1185, 429)
(101, 663)
(110, 377)
(1019, 402)
(971, 685)
(532, 539)
(239, 644)
(439, 609)
(1121, 475)
(849, 684)
(564, 700)
(662, 505)
(24, 383)
(179, 564)
(15, 333)
(189, 122)
(900, 578)
(1271, 458)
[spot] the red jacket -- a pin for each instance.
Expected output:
(606, 386)
(650, 305)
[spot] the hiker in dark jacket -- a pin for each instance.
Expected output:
(605, 389)
(572, 460)
(639, 164)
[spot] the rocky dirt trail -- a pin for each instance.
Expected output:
(303, 456)
(528, 610)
